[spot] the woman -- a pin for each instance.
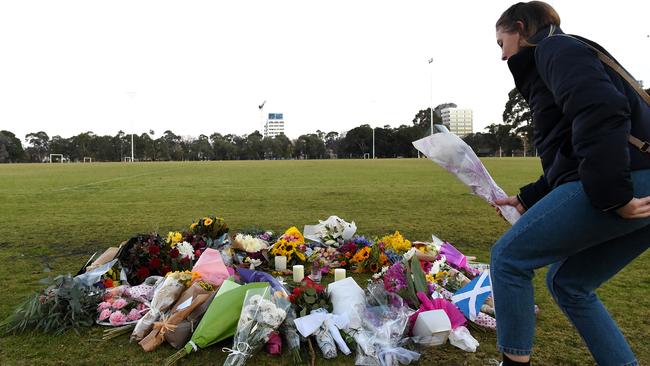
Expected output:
(594, 194)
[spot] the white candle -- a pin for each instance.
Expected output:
(339, 274)
(280, 263)
(298, 272)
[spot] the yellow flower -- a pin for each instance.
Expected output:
(361, 255)
(396, 242)
(207, 221)
(296, 234)
(195, 276)
(193, 226)
(173, 238)
(300, 256)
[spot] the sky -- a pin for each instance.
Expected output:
(199, 67)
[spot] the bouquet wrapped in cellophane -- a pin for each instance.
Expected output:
(164, 297)
(450, 152)
(193, 297)
(262, 313)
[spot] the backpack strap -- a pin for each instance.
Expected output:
(644, 146)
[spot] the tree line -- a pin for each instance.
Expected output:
(512, 136)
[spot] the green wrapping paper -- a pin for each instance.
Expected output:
(219, 322)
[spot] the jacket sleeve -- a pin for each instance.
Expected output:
(582, 88)
(533, 192)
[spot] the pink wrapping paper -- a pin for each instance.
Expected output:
(211, 267)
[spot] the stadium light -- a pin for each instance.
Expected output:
(431, 68)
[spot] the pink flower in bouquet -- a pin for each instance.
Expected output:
(133, 315)
(119, 303)
(141, 307)
(117, 318)
(104, 315)
(103, 305)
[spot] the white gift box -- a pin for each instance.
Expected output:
(432, 327)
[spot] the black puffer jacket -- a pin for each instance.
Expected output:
(583, 113)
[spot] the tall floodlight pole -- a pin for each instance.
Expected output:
(373, 142)
(132, 95)
(261, 108)
(431, 77)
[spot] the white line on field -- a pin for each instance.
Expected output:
(107, 180)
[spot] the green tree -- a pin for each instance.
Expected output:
(517, 114)
(422, 120)
(357, 142)
(12, 147)
(202, 149)
(39, 145)
(282, 147)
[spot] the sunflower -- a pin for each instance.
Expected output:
(193, 226)
(374, 267)
(207, 221)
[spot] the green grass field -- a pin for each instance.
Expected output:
(53, 216)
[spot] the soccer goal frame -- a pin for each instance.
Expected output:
(366, 155)
(127, 159)
(59, 155)
(88, 159)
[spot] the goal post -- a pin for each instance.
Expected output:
(88, 159)
(60, 156)
(127, 159)
(366, 155)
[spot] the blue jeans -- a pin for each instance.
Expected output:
(585, 247)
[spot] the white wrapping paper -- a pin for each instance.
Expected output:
(453, 154)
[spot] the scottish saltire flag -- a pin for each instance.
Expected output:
(471, 296)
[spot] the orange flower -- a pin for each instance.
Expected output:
(207, 221)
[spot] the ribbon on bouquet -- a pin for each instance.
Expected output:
(309, 324)
(388, 355)
(242, 348)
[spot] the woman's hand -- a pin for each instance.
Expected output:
(511, 201)
(637, 208)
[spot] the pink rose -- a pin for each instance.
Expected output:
(103, 305)
(134, 314)
(104, 315)
(117, 318)
(119, 303)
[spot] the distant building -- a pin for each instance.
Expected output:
(274, 125)
(458, 120)
(440, 107)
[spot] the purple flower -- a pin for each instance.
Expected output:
(395, 278)
(362, 241)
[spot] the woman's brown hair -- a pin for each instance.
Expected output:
(535, 15)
